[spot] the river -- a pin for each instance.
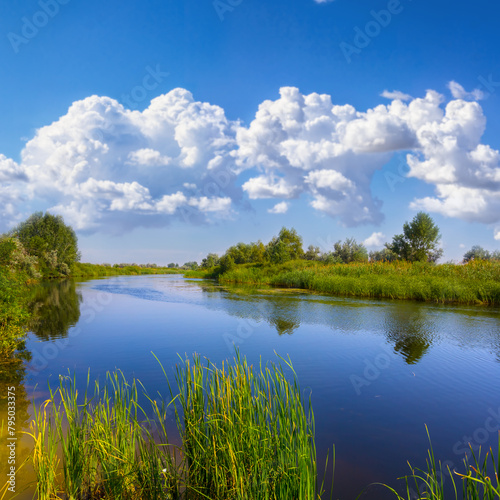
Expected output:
(378, 371)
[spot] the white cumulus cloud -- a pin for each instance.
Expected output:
(396, 95)
(280, 208)
(104, 166)
(108, 168)
(375, 240)
(458, 92)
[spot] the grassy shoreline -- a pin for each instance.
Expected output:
(477, 282)
(82, 270)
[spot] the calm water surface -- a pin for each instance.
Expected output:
(378, 371)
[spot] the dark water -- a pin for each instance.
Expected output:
(378, 371)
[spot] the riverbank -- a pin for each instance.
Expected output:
(477, 282)
(81, 270)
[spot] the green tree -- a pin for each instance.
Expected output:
(226, 263)
(284, 247)
(477, 253)
(349, 251)
(211, 260)
(50, 240)
(192, 265)
(384, 255)
(313, 253)
(244, 253)
(419, 241)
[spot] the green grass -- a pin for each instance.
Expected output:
(480, 479)
(100, 445)
(246, 434)
(81, 270)
(472, 283)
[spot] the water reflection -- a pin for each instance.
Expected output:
(12, 378)
(409, 328)
(283, 326)
(407, 325)
(55, 307)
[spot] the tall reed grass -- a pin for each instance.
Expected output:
(100, 446)
(477, 282)
(246, 434)
(479, 481)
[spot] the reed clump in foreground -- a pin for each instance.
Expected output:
(246, 434)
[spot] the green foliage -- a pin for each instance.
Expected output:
(226, 263)
(284, 247)
(384, 255)
(95, 270)
(479, 253)
(476, 480)
(50, 240)
(211, 260)
(15, 257)
(246, 435)
(7, 247)
(107, 449)
(312, 253)
(192, 265)
(347, 252)
(419, 241)
(13, 313)
(473, 283)
(243, 253)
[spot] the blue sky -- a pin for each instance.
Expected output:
(158, 130)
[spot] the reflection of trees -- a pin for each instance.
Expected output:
(12, 373)
(55, 307)
(281, 312)
(283, 325)
(408, 328)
